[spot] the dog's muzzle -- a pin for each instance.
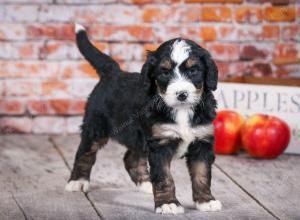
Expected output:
(182, 96)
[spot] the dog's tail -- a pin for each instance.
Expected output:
(104, 64)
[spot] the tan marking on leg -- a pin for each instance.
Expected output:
(200, 181)
(164, 192)
(136, 167)
(83, 165)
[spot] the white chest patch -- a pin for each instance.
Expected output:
(182, 129)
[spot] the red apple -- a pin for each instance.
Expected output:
(227, 132)
(265, 136)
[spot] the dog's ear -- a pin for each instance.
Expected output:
(147, 72)
(211, 78)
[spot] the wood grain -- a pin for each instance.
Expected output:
(33, 172)
(274, 183)
(115, 195)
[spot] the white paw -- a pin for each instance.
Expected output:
(78, 185)
(145, 187)
(169, 209)
(211, 206)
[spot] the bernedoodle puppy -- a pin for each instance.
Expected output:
(162, 113)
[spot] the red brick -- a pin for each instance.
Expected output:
(281, 2)
(210, 13)
(56, 107)
(214, 1)
(161, 14)
(231, 69)
(51, 31)
(251, 15)
(153, 14)
(49, 125)
(285, 52)
(77, 69)
(273, 2)
(261, 69)
(12, 68)
(10, 125)
(1, 88)
(88, 70)
(250, 52)
(280, 13)
(270, 32)
(192, 33)
(60, 50)
(60, 106)
(190, 14)
(121, 33)
(65, 106)
(11, 107)
(39, 107)
(208, 33)
(54, 88)
(22, 87)
(224, 51)
(141, 2)
(291, 32)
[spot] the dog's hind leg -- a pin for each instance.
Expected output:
(84, 161)
(137, 169)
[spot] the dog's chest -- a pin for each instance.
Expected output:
(181, 129)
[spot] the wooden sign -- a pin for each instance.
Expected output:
(280, 101)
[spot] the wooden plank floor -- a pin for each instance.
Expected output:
(34, 170)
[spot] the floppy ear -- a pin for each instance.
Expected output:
(147, 71)
(211, 78)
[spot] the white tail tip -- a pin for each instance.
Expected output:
(79, 27)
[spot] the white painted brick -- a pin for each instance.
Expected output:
(127, 51)
(73, 124)
(52, 125)
(21, 13)
(15, 125)
(82, 88)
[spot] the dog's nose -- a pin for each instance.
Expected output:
(182, 95)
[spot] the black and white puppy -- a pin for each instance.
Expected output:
(162, 113)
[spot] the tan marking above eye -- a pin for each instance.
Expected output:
(166, 64)
(190, 62)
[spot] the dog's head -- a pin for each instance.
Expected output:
(179, 71)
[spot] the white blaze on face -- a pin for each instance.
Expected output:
(180, 52)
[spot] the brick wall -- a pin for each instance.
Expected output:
(44, 81)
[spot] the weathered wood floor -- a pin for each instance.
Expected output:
(34, 170)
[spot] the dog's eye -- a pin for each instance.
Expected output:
(165, 71)
(193, 70)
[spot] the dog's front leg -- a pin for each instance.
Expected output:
(199, 161)
(162, 182)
